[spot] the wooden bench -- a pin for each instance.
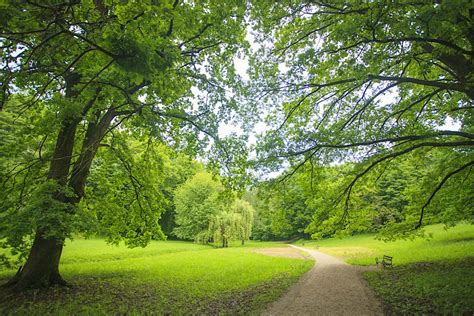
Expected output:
(386, 261)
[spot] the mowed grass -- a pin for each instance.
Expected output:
(442, 288)
(164, 278)
(452, 244)
(434, 276)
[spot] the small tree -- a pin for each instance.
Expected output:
(224, 227)
(245, 210)
(232, 224)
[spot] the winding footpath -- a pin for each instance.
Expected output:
(331, 287)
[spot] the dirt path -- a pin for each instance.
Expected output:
(331, 287)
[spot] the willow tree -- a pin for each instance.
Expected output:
(234, 223)
(245, 223)
(223, 227)
(367, 82)
(83, 68)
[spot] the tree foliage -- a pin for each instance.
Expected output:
(72, 72)
(197, 201)
(179, 168)
(245, 214)
(387, 203)
(366, 82)
(205, 212)
(223, 227)
(234, 223)
(124, 196)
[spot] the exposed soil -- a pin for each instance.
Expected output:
(286, 252)
(331, 287)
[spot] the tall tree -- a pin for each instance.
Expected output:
(367, 82)
(91, 66)
(197, 201)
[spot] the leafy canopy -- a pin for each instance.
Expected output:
(365, 82)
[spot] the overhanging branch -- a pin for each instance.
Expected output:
(440, 185)
(430, 83)
(382, 140)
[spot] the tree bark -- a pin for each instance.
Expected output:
(42, 267)
(94, 134)
(459, 65)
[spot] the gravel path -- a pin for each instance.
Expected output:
(331, 287)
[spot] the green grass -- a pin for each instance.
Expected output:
(452, 244)
(165, 277)
(434, 276)
(427, 288)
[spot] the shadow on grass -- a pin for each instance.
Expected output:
(440, 287)
(458, 240)
(115, 294)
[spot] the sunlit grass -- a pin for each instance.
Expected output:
(165, 277)
(91, 250)
(454, 243)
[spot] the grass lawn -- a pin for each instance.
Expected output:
(164, 278)
(452, 244)
(429, 276)
(427, 288)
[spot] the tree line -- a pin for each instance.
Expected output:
(311, 203)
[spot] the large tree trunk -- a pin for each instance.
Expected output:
(42, 267)
(94, 134)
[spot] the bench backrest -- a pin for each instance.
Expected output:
(387, 258)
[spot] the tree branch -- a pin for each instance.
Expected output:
(440, 185)
(430, 83)
(348, 190)
(384, 140)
